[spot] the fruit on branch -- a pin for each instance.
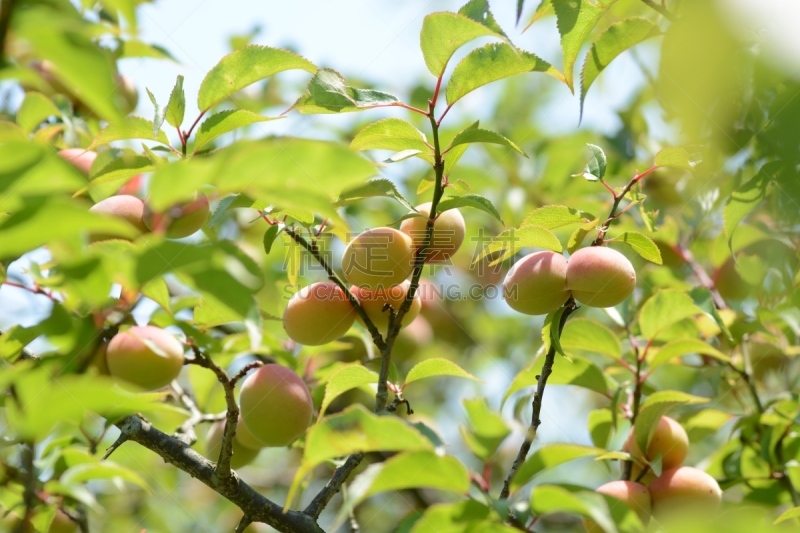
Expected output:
(634, 495)
(537, 283)
(245, 437)
(276, 405)
(241, 456)
(684, 489)
(448, 232)
(129, 208)
(133, 186)
(375, 304)
(180, 220)
(79, 158)
(146, 356)
(318, 314)
(669, 441)
(600, 277)
(378, 258)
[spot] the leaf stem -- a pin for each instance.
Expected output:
(661, 9)
(612, 215)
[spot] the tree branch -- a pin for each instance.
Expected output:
(186, 432)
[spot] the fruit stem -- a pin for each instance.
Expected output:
(612, 215)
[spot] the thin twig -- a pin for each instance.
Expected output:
(612, 215)
(186, 432)
(243, 523)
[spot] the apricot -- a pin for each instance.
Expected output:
(600, 277)
(241, 454)
(448, 232)
(373, 303)
(180, 220)
(669, 440)
(128, 208)
(146, 356)
(378, 258)
(133, 186)
(245, 438)
(79, 158)
(537, 283)
(318, 314)
(634, 495)
(276, 405)
(683, 489)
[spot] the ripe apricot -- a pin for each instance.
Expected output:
(245, 438)
(276, 405)
(318, 314)
(684, 489)
(537, 283)
(180, 220)
(448, 232)
(241, 454)
(378, 258)
(128, 208)
(146, 356)
(79, 158)
(634, 495)
(600, 277)
(373, 303)
(669, 440)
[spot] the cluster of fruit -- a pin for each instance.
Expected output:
(679, 489)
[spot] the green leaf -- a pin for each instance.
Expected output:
(443, 33)
(469, 200)
(590, 336)
(473, 134)
(159, 114)
(748, 197)
(402, 156)
(543, 9)
(550, 334)
(460, 517)
(128, 128)
(392, 134)
(576, 20)
(137, 48)
(436, 367)
(10, 132)
(612, 42)
(101, 470)
(177, 104)
(35, 109)
(225, 122)
(703, 299)
(512, 240)
(577, 371)
(487, 429)
(345, 379)
(600, 424)
(328, 93)
(675, 157)
(664, 309)
(490, 63)
(681, 347)
(794, 512)
(269, 237)
(550, 456)
(642, 245)
(556, 216)
(121, 168)
(654, 407)
(576, 239)
(244, 67)
(372, 188)
(596, 167)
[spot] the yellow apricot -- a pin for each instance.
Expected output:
(80, 158)
(378, 258)
(128, 208)
(634, 495)
(669, 440)
(180, 220)
(600, 277)
(241, 454)
(146, 356)
(537, 283)
(684, 489)
(276, 405)
(448, 232)
(318, 314)
(373, 303)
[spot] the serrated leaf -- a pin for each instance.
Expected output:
(120, 169)
(600, 426)
(556, 216)
(372, 188)
(269, 237)
(590, 336)
(244, 67)
(550, 456)
(596, 167)
(676, 157)
(443, 33)
(345, 379)
(136, 48)
(475, 201)
(490, 63)
(681, 347)
(575, 21)
(327, 92)
(617, 38)
(392, 134)
(544, 8)
(434, 368)
(129, 128)
(663, 309)
(176, 106)
(225, 122)
(703, 299)
(223, 206)
(402, 156)
(487, 429)
(654, 407)
(512, 240)
(159, 114)
(473, 134)
(642, 245)
(577, 371)
(794, 512)
(34, 110)
(576, 239)
(748, 197)
(101, 470)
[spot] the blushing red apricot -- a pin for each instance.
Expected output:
(378, 258)
(537, 283)
(241, 454)
(318, 314)
(276, 405)
(448, 232)
(128, 208)
(146, 356)
(684, 489)
(373, 303)
(180, 220)
(600, 277)
(634, 495)
(80, 158)
(669, 440)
